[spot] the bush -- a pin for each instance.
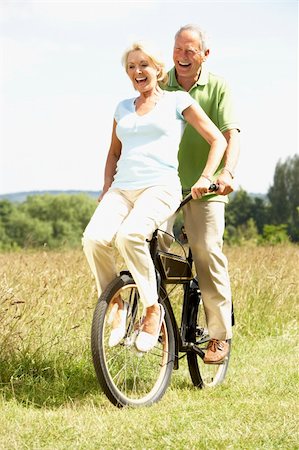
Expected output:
(275, 234)
(26, 231)
(246, 233)
(52, 220)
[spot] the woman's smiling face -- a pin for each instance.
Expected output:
(142, 71)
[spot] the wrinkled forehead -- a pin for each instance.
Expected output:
(188, 39)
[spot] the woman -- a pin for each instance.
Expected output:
(141, 187)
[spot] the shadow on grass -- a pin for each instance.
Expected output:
(61, 380)
(47, 382)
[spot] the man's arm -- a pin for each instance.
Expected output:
(231, 157)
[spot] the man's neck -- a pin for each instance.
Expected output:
(186, 82)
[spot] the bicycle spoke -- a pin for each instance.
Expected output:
(127, 376)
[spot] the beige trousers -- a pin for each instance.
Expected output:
(128, 218)
(204, 225)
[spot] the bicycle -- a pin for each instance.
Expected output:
(133, 378)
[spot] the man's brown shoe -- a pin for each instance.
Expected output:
(216, 352)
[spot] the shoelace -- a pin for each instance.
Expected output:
(215, 344)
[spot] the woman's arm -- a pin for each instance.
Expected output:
(111, 161)
(196, 117)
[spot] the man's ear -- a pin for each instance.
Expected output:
(207, 52)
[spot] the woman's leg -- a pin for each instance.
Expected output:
(151, 208)
(99, 234)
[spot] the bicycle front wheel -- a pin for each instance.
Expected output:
(205, 375)
(129, 377)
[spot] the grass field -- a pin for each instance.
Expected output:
(49, 395)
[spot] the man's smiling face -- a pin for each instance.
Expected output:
(188, 56)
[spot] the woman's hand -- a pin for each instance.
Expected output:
(101, 196)
(104, 190)
(200, 188)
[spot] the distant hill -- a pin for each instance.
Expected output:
(21, 196)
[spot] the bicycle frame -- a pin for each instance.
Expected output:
(176, 270)
(185, 335)
(130, 377)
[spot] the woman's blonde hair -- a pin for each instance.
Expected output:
(162, 76)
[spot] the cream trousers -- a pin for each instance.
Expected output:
(204, 225)
(128, 219)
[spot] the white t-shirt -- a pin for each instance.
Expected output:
(150, 142)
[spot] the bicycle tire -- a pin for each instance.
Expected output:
(126, 376)
(205, 375)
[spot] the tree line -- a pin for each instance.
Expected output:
(58, 220)
(274, 218)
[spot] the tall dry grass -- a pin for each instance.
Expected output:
(47, 298)
(49, 394)
(265, 289)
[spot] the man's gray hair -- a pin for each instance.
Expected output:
(202, 36)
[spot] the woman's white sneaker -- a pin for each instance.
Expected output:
(118, 332)
(146, 341)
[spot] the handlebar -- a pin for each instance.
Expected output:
(213, 188)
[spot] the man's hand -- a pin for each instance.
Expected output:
(225, 182)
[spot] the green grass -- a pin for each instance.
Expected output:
(49, 395)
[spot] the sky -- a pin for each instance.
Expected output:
(61, 78)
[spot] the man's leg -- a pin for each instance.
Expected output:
(204, 224)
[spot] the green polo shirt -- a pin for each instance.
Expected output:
(213, 95)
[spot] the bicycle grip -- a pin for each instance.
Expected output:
(213, 188)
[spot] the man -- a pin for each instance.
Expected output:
(204, 217)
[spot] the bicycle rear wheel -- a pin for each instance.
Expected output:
(205, 375)
(129, 377)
